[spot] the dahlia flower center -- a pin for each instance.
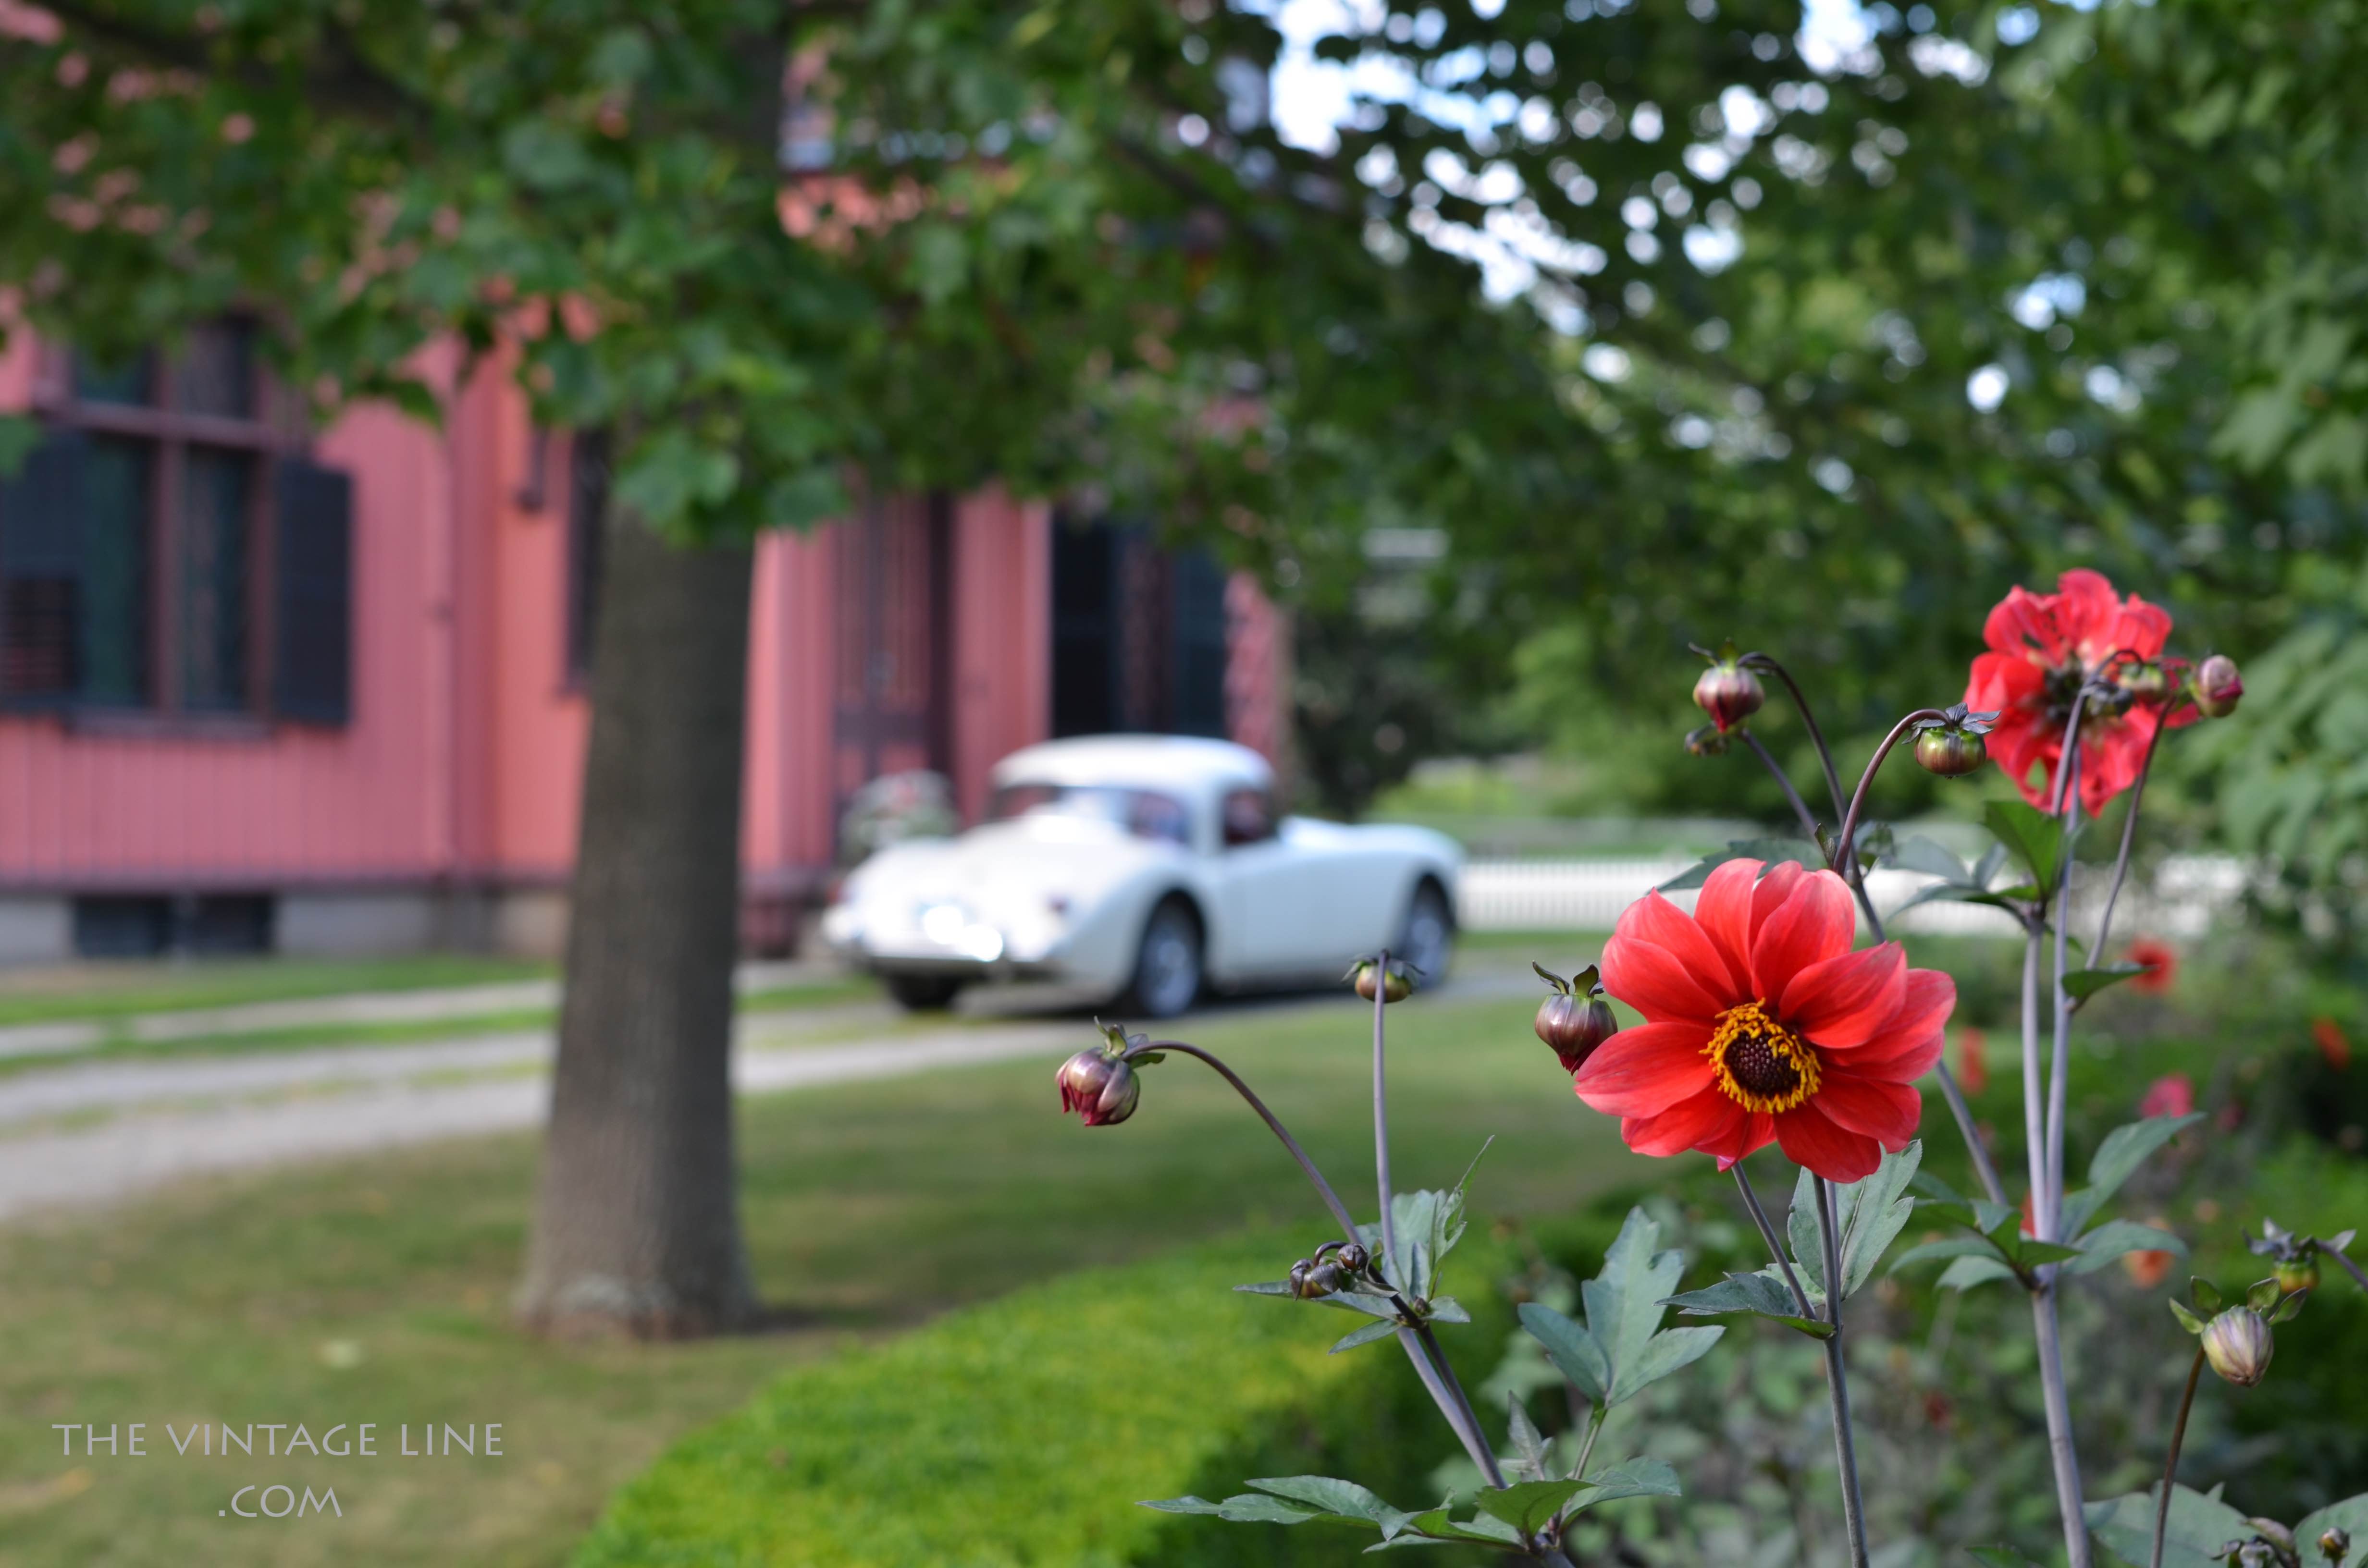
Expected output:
(1760, 1063)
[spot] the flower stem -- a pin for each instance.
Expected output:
(1315, 1177)
(1768, 1234)
(2059, 1426)
(1439, 1380)
(1838, 1379)
(2034, 1125)
(2349, 1267)
(2129, 833)
(1800, 807)
(2170, 1465)
(1842, 855)
(1485, 1457)
(1808, 721)
(1382, 1108)
(2049, 1210)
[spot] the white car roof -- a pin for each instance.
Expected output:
(1172, 762)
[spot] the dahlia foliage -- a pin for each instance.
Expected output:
(1764, 1021)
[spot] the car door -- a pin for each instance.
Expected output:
(1268, 899)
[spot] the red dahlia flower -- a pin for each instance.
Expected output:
(2044, 647)
(1761, 1025)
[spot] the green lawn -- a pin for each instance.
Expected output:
(375, 1289)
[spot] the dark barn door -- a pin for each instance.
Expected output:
(1138, 634)
(892, 587)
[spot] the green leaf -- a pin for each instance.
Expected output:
(1630, 1478)
(2198, 1527)
(1570, 1347)
(1762, 1295)
(1872, 1212)
(2032, 836)
(2116, 1160)
(1530, 1506)
(2083, 983)
(2115, 1237)
(1266, 1288)
(1428, 1226)
(1359, 1302)
(1528, 1444)
(1916, 853)
(1956, 1247)
(1968, 1272)
(1336, 1498)
(2350, 1516)
(1249, 1508)
(1365, 1336)
(1447, 1308)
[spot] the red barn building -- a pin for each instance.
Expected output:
(263, 688)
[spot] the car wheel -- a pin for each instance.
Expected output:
(1168, 964)
(1427, 937)
(923, 992)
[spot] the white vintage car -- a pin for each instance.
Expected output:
(1146, 868)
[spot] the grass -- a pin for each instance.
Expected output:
(119, 990)
(375, 1289)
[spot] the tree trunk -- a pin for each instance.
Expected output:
(638, 1232)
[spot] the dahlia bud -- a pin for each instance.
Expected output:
(1574, 1019)
(2297, 1274)
(2217, 686)
(2335, 1544)
(1353, 1258)
(1728, 693)
(1099, 1082)
(2238, 1344)
(1311, 1280)
(1390, 978)
(1952, 745)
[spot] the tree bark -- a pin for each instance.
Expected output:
(638, 1229)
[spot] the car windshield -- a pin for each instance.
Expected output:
(1146, 813)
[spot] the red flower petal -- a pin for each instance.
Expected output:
(1652, 980)
(1773, 889)
(1898, 1058)
(1885, 1112)
(1655, 919)
(1812, 1141)
(1644, 1070)
(1758, 1133)
(1724, 911)
(1845, 1002)
(1815, 922)
(1924, 1004)
(1710, 1118)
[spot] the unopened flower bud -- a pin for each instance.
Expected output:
(2238, 1344)
(1353, 1258)
(2335, 1545)
(2217, 686)
(1574, 1019)
(1099, 1086)
(1394, 983)
(1952, 752)
(1728, 693)
(1310, 1279)
(2299, 1273)
(1708, 740)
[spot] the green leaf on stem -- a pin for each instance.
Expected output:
(1622, 1348)
(2116, 1160)
(1763, 1294)
(1429, 1223)
(2082, 983)
(1869, 1216)
(1365, 1336)
(1447, 1308)
(1249, 1508)
(1529, 1459)
(1336, 1498)
(2199, 1526)
(1955, 1246)
(1373, 1306)
(1968, 1272)
(2033, 837)
(1266, 1288)
(2116, 1237)
(1530, 1505)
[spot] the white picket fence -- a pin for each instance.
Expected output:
(2186, 895)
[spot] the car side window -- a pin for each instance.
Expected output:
(1249, 817)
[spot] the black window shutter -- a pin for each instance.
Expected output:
(313, 618)
(40, 575)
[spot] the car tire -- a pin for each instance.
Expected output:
(1168, 970)
(922, 993)
(1427, 939)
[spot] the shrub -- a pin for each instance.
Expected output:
(1024, 1431)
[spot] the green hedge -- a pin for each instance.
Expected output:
(1024, 1431)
